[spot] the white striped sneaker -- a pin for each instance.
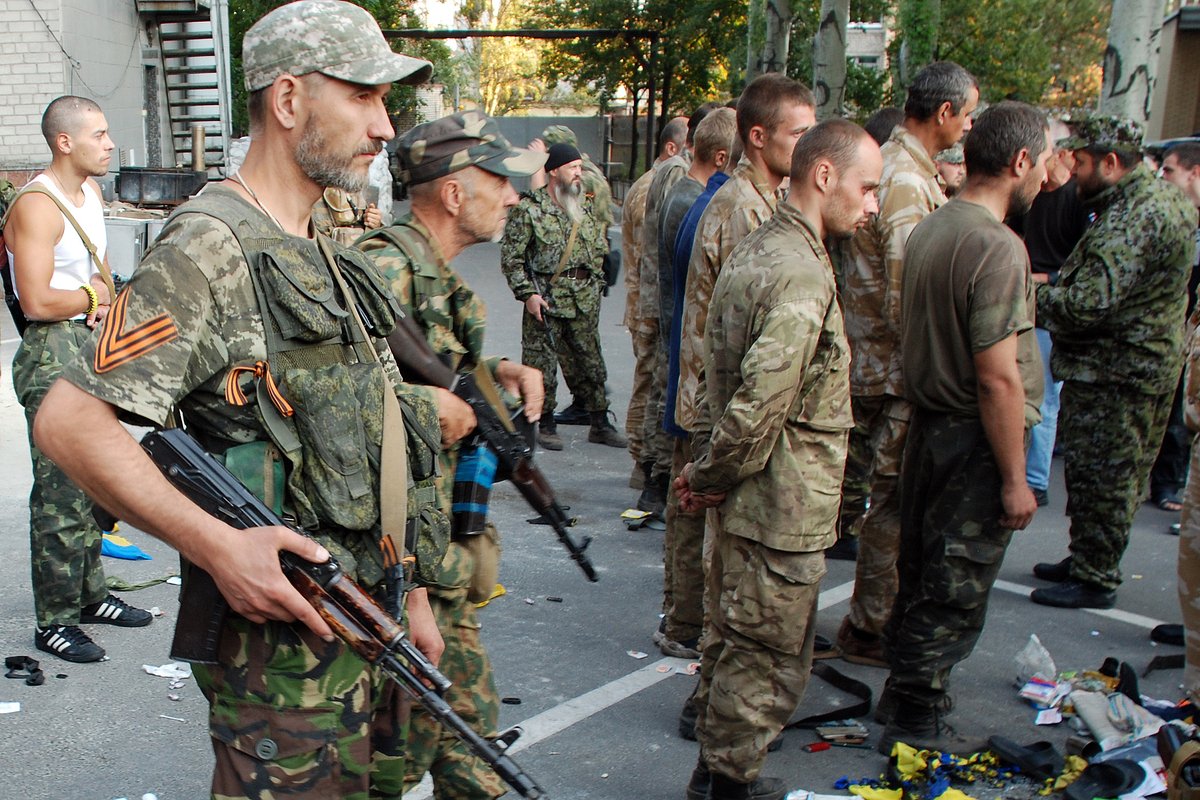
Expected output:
(112, 610)
(67, 642)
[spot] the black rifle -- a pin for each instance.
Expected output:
(418, 362)
(351, 612)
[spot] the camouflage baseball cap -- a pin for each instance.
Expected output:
(951, 155)
(467, 139)
(1103, 131)
(560, 134)
(331, 37)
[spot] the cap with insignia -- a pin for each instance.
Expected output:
(331, 37)
(1104, 132)
(466, 139)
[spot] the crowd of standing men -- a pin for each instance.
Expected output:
(814, 318)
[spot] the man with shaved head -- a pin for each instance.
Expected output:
(65, 290)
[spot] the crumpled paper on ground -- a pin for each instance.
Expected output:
(1114, 720)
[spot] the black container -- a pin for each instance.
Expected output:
(147, 186)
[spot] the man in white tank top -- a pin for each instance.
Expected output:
(65, 296)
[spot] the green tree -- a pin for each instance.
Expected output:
(390, 13)
(501, 73)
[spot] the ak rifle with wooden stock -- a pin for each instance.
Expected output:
(418, 362)
(354, 615)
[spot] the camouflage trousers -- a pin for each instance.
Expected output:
(456, 773)
(574, 345)
(951, 546)
(757, 650)
(1189, 577)
(64, 539)
(856, 481)
(683, 559)
(885, 420)
(293, 716)
(656, 442)
(1109, 436)
(645, 343)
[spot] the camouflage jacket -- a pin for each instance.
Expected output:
(667, 175)
(439, 300)
(775, 393)
(595, 185)
(186, 326)
(534, 241)
(1117, 312)
(870, 277)
(738, 207)
(633, 219)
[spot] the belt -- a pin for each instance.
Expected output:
(578, 273)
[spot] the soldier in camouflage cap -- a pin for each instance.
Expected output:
(1116, 316)
(950, 166)
(457, 169)
(207, 320)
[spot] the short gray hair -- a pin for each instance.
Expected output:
(938, 83)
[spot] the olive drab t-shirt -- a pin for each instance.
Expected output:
(967, 286)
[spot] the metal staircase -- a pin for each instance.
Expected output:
(193, 45)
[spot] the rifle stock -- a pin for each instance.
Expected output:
(418, 361)
(352, 614)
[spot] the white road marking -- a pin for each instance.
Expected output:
(1109, 613)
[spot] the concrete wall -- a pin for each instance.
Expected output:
(103, 40)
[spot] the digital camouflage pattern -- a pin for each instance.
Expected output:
(1118, 309)
(757, 650)
(775, 396)
(535, 239)
(64, 540)
(595, 185)
(951, 155)
(1109, 434)
(738, 207)
(337, 39)
(954, 545)
(453, 319)
(193, 304)
(642, 330)
(1103, 131)
(870, 277)
(444, 146)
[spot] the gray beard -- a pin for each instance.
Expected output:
(568, 199)
(315, 161)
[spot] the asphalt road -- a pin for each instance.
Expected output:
(599, 722)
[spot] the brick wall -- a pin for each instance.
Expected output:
(31, 75)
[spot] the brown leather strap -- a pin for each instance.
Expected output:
(562, 262)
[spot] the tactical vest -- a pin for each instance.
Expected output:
(319, 395)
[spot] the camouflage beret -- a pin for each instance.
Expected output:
(467, 139)
(951, 155)
(1103, 132)
(560, 134)
(331, 37)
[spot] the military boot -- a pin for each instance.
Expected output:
(761, 789)
(548, 436)
(654, 491)
(603, 432)
(700, 783)
(926, 728)
(574, 414)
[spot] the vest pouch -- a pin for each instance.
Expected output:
(377, 302)
(433, 540)
(299, 291)
(259, 467)
(339, 421)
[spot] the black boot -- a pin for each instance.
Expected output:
(700, 783)
(574, 414)
(548, 436)
(654, 492)
(761, 789)
(926, 728)
(603, 432)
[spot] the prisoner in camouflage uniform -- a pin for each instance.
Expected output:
(415, 255)
(642, 330)
(551, 255)
(937, 114)
(293, 710)
(1116, 316)
(774, 405)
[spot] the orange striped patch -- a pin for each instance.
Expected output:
(118, 346)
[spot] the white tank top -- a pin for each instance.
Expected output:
(73, 264)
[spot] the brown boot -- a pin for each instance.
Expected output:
(603, 432)
(548, 436)
(860, 648)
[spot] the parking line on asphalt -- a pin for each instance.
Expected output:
(555, 720)
(1109, 613)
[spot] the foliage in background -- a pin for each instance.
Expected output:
(390, 13)
(501, 75)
